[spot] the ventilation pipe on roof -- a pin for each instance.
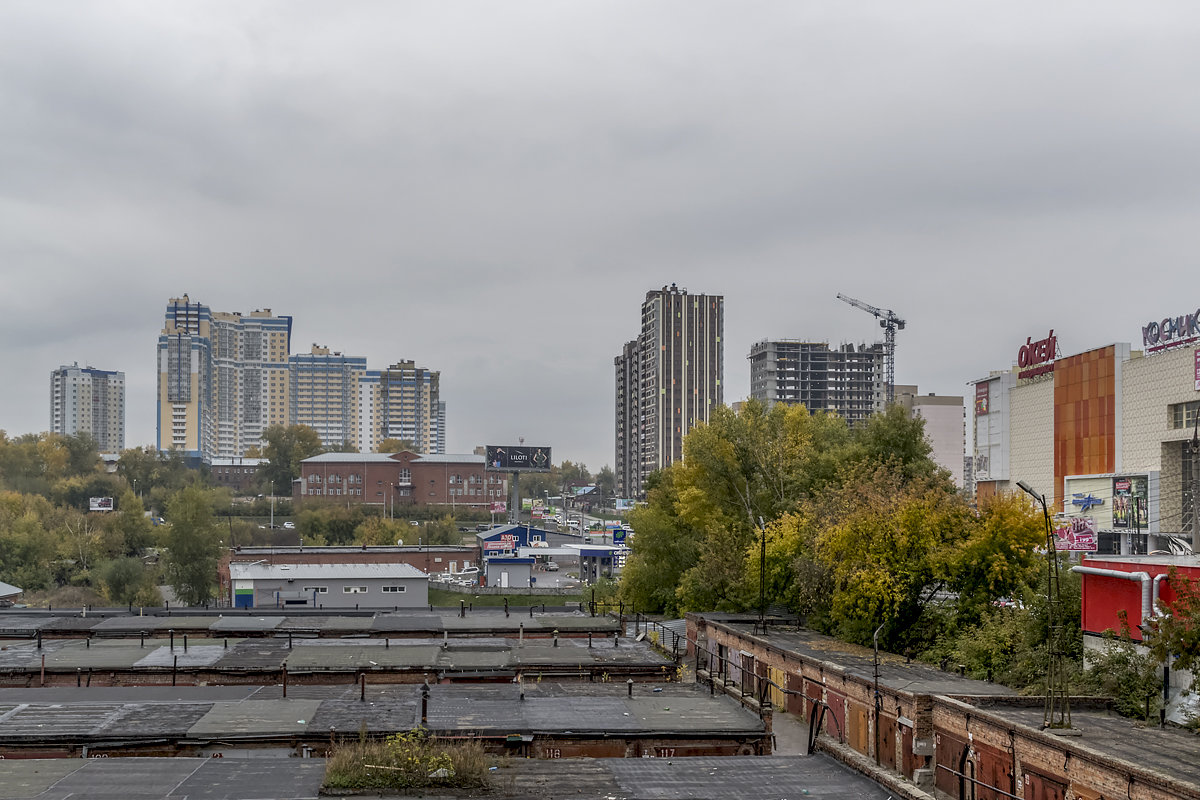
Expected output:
(1141, 577)
(1158, 579)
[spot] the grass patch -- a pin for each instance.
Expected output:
(406, 761)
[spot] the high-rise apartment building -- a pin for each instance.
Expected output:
(847, 380)
(668, 380)
(628, 421)
(91, 401)
(185, 419)
(324, 394)
(250, 367)
(222, 378)
(402, 402)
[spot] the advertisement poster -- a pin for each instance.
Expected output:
(1196, 359)
(1129, 503)
(981, 397)
(100, 504)
(624, 504)
(499, 507)
(1079, 535)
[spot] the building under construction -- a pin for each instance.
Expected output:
(847, 380)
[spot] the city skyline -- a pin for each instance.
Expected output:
(482, 196)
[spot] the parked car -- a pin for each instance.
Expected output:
(291, 526)
(551, 566)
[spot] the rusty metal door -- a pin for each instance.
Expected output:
(1041, 787)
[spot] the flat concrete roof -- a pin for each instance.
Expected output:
(707, 778)
(1172, 752)
(155, 778)
(895, 672)
(262, 621)
(57, 715)
(316, 655)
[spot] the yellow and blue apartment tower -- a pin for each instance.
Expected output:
(402, 402)
(324, 394)
(222, 379)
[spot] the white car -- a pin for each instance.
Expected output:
(291, 526)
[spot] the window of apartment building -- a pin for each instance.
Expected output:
(392, 589)
(354, 590)
(405, 475)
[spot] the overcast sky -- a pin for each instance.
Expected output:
(490, 188)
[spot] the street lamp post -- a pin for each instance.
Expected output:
(1057, 714)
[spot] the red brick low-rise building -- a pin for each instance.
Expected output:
(400, 479)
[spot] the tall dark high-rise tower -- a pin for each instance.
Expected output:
(667, 380)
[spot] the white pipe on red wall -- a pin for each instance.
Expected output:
(1141, 577)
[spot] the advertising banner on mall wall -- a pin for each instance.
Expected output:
(981, 398)
(1129, 502)
(1196, 360)
(1078, 535)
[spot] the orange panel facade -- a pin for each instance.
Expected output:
(1084, 416)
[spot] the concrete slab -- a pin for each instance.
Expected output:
(241, 779)
(26, 778)
(409, 622)
(249, 624)
(196, 655)
(134, 624)
(22, 624)
(127, 694)
(304, 657)
(740, 778)
(57, 722)
(139, 720)
(101, 654)
(133, 778)
(161, 779)
(255, 718)
(255, 654)
(378, 714)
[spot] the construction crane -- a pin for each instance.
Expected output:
(890, 324)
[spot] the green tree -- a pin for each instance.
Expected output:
(286, 447)
(439, 531)
(1175, 636)
(193, 544)
(889, 552)
(606, 481)
(130, 524)
(665, 547)
(375, 530)
(126, 580)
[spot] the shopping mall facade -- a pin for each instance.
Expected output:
(1105, 434)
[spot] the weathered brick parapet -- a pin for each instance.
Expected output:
(939, 729)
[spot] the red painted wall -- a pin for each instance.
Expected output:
(1104, 597)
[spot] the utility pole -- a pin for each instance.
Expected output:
(1057, 715)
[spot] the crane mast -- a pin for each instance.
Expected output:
(890, 322)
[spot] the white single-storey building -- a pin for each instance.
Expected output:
(260, 585)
